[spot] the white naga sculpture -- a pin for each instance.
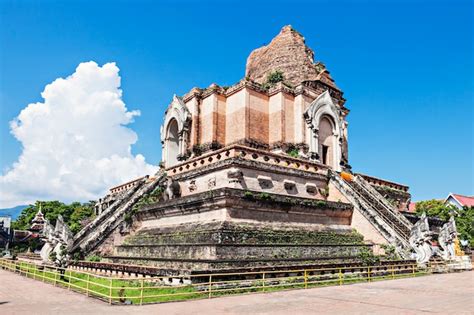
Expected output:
(447, 237)
(420, 240)
(57, 242)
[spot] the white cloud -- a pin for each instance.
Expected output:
(75, 144)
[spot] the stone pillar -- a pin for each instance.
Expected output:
(336, 149)
(314, 144)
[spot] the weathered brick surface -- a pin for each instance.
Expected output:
(288, 53)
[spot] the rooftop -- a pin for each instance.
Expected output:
(466, 201)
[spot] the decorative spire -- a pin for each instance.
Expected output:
(37, 223)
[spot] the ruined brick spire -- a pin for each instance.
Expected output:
(288, 53)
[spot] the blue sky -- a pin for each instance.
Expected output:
(406, 68)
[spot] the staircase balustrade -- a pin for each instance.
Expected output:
(96, 231)
(371, 205)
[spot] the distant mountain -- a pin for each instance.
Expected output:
(13, 212)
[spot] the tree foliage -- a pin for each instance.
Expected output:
(465, 224)
(75, 215)
(464, 217)
(435, 208)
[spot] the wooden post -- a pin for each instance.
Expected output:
(413, 268)
(141, 293)
(340, 276)
(55, 277)
(69, 282)
(368, 274)
(210, 286)
(393, 272)
(263, 281)
(87, 285)
(305, 279)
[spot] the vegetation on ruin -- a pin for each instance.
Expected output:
(94, 258)
(272, 79)
(265, 196)
(243, 233)
(293, 152)
(147, 199)
(464, 217)
(76, 215)
(390, 252)
(249, 195)
(367, 257)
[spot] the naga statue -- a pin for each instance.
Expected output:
(420, 240)
(447, 239)
(57, 242)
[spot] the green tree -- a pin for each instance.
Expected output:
(464, 217)
(465, 224)
(435, 208)
(75, 214)
(81, 215)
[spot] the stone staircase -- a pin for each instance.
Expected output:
(97, 231)
(377, 210)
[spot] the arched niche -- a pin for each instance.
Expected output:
(175, 132)
(327, 140)
(172, 143)
(325, 131)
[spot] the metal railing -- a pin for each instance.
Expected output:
(143, 290)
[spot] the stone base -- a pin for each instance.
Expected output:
(231, 228)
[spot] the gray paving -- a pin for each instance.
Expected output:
(442, 294)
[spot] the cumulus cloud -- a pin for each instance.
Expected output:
(76, 143)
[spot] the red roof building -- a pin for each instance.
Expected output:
(459, 201)
(412, 207)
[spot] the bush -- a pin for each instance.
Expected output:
(248, 195)
(390, 252)
(94, 258)
(275, 76)
(264, 196)
(272, 79)
(367, 257)
(293, 153)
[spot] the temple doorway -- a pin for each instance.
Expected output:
(326, 140)
(172, 143)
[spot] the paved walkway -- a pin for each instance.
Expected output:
(443, 294)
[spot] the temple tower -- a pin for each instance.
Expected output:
(287, 103)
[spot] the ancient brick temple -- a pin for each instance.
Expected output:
(303, 112)
(257, 174)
